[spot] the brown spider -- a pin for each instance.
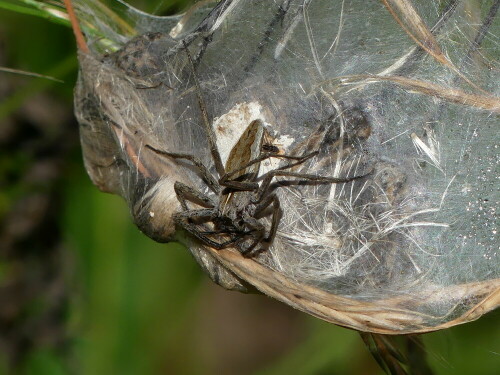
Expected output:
(241, 196)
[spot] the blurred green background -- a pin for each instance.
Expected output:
(83, 291)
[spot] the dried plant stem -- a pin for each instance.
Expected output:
(80, 40)
(487, 102)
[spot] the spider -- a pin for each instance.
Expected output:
(242, 197)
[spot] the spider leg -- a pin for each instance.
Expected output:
(212, 140)
(267, 178)
(258, 232)
(227, 231)
(259, 229)
(226, 181)
(267, 155)
(277, 215)
(239, 185)
(204, 172)
(185, 193)
(184, 220)
(300, 160)
(186, 217)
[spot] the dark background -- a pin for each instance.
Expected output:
(83, 291)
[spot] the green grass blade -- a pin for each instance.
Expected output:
(15, 101)
(37, 9)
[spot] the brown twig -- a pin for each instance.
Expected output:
(80, 40)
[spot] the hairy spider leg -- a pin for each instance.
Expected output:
(184, 220)
(257, 234)
(300, 160)
(219, 167)
(254, 186)
(186, 193)
(267, 178)
(267, 155)
(239, 185)
(277, 215)
(204, 172)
